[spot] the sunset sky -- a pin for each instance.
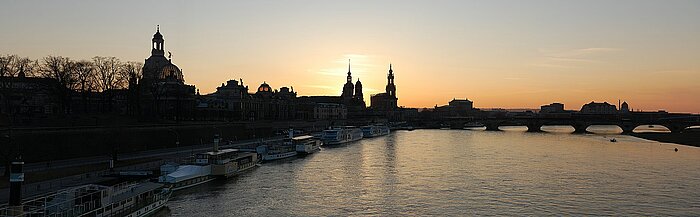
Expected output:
(509, 54)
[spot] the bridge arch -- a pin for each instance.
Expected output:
(604, 129)
(651, 128)
(514, 128)
(558, 128)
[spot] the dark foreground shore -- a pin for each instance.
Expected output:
(691, 138)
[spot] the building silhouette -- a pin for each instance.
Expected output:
(624, 107)
(232, 101)
(598, 108)
(348, 88)
(552, 108)
(162, 91)
(352, 97)
(386, 101)
(159, 94)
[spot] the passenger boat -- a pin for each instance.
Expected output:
(131, 200)
(341, 135)
(307, 144)
(179, 177)
(228, 162)
(207, 166)
(270, 152)
(374, 131)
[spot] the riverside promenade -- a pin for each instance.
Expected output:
(98, 167)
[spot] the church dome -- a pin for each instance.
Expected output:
(264, 87)
(171, 71)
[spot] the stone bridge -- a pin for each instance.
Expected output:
(676, 123)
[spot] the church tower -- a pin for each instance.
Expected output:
(348, 88)
(390, 87)
(158, 44)
(358, 91)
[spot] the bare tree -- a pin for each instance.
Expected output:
(84, 76)
(25, 67)
(107, 71)
(107, 77)
(7, 63)
(62, 71)
(85, 80)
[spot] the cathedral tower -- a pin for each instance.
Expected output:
(348, 88)
(358, 91)
(390, 87)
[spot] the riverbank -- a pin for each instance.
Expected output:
(690, 138)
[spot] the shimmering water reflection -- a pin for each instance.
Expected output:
(462, 172)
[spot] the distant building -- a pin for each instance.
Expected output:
(163, 93)
(461, 105)
(552, 108)
(232, 101)
(386, 101)
(352, 96)
(599, 108)
(321, 108)
(454, 108)
(348, 88)
(358, 92)
(624, 107)
(329, 111)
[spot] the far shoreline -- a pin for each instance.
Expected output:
(689, 137)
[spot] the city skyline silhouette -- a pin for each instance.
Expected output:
(508, 58)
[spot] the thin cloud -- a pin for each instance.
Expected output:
(579, 60)
(571, 58)
(547, 65)
(586, 51)
(598, 49)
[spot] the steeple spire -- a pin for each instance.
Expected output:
(157, 28)
(349, 76)
(390, 87)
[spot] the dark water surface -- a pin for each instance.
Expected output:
(458, 172)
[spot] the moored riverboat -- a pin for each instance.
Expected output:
(228, 162)
(374, 131)
(276, 151)
(208, 166)
(341, 135)
(128, 199)
(306, 144)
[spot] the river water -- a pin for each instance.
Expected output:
(462, 172)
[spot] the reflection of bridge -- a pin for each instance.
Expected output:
(676, 123)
